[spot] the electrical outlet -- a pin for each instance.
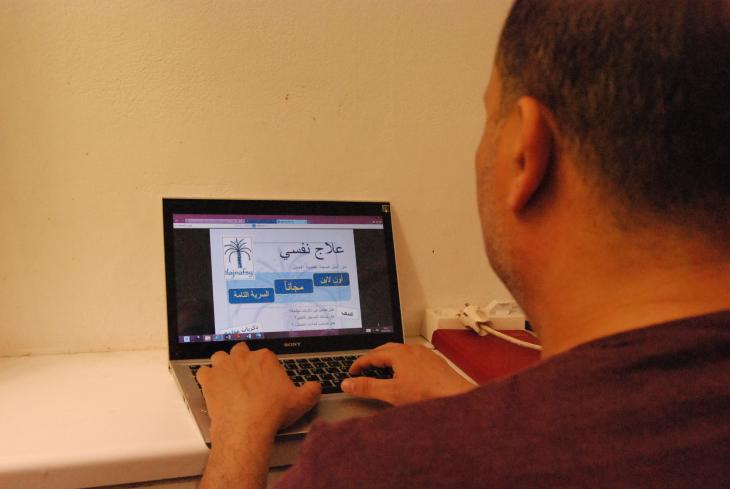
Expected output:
(506, 315)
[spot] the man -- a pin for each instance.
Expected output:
(604, 191)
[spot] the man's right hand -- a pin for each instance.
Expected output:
(418, 374)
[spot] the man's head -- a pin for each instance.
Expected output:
(635, 93)
(641, 90)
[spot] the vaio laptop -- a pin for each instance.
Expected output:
(315, 282)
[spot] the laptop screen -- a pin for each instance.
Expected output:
(264, 277)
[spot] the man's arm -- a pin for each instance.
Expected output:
(418, 374)
(249, 397)
(241, 463)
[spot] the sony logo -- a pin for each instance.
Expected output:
(293, 344)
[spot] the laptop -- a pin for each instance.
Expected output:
(313, 281)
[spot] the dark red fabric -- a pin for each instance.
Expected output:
(485, 358)
(649, 408)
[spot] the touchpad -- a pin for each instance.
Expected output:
(333, 408)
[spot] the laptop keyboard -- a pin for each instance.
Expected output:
(329, 371)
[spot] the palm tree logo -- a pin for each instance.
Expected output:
(237, 247)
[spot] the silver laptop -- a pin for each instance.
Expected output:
(315, 282)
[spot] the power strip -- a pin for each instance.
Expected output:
(502, 315)
(505, 315)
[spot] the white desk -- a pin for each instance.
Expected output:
(94, 419)
(98, 419)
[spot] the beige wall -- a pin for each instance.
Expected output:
(107, 106)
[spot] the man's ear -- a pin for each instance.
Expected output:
(533, 152)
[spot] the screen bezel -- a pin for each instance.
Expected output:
(179, 351)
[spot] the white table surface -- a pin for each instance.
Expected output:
(94, 419)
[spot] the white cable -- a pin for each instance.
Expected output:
(476, 319)
(506, 337)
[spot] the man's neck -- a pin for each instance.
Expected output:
(602, 297)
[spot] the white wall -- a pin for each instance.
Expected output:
(105, 107)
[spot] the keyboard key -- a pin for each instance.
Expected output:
(331, 389)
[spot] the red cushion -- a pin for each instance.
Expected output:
(485, 358)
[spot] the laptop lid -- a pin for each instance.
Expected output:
(291, 276)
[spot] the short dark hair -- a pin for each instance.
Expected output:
(641, 89)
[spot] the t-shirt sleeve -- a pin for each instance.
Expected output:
(325, 457)
(355, 453)
(369, 452)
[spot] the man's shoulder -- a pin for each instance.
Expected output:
(702, 337)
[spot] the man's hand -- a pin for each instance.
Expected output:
(249, 397)
(418, 374)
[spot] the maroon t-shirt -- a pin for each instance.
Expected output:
(649, 408)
